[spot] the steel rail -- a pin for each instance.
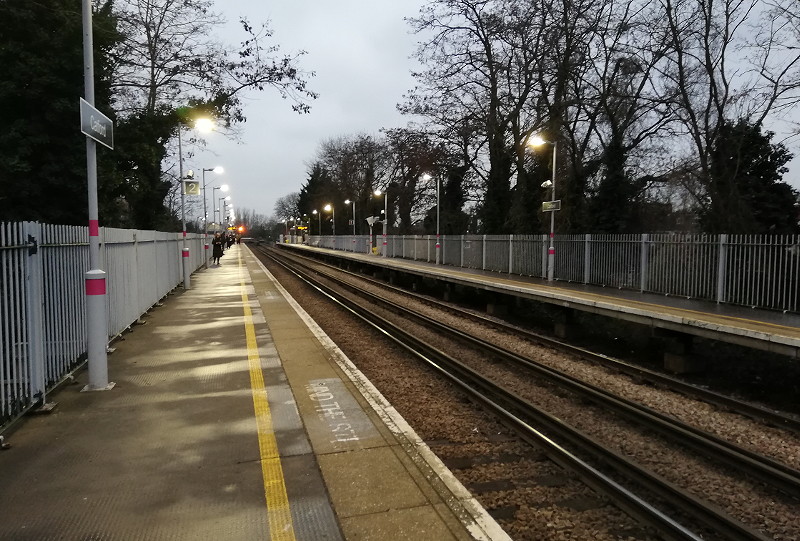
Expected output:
(754, 411)
(767, 470)
(471, 382)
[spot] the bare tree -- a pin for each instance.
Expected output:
(287, 208)
(724, 63)
(416, 160)
(478, 76)
(169, 57)
(348, 169)
(167, 69)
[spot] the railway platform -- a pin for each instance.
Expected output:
(233, 417)
(676, 320)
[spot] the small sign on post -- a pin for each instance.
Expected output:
(191, 187)
(551, 206)
(96, 125)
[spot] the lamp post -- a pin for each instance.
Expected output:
(346, 202)
(319, 221)
(426, 177)
(95, 277)
(551, 251)
(330, 208)
(223, 211)
(218, 170)
(185, 248)
(222, 188)
(204, 125)
(385, 217)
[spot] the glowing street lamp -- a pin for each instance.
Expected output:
(204, 125)
(347, 202)
(330, 208)
(553, 206)
(201, 124)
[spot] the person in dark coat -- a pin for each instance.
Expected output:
(217, 245)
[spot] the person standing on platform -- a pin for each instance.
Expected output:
(217, 245)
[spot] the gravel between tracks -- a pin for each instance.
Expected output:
(458, 432)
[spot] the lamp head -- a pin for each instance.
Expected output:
(426, 177)
(218, 170)
(189, 174)
(378, 192)
(536, 141)
(327, 208)
(547, 184)
(346, 201)
(204, 124)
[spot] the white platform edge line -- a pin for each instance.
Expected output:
(487, 527)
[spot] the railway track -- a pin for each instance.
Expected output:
(604, 469)
(641, 374)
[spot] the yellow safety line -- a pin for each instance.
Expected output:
(278, 512)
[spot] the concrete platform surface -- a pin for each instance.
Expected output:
(233, 417)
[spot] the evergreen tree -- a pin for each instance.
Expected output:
(746, 194)
(617, 202)
(42, 151)
(314, 195)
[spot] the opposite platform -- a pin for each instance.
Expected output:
(761, 329)
(233, 417)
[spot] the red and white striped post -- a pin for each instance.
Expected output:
(187, 272)
(97, 328)
(95, 279)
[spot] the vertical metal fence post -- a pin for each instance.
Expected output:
(643, 267)
(587, 258)
(722, 267)
(461, 265)
(483, 262)
(510, 254)
(34, 301)
(545, 250)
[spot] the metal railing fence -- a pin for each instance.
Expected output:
(761, 271)
(42, 299)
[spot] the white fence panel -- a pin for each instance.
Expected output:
(43, 304)
(759, 271)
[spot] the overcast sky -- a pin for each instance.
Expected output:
(360, 51)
